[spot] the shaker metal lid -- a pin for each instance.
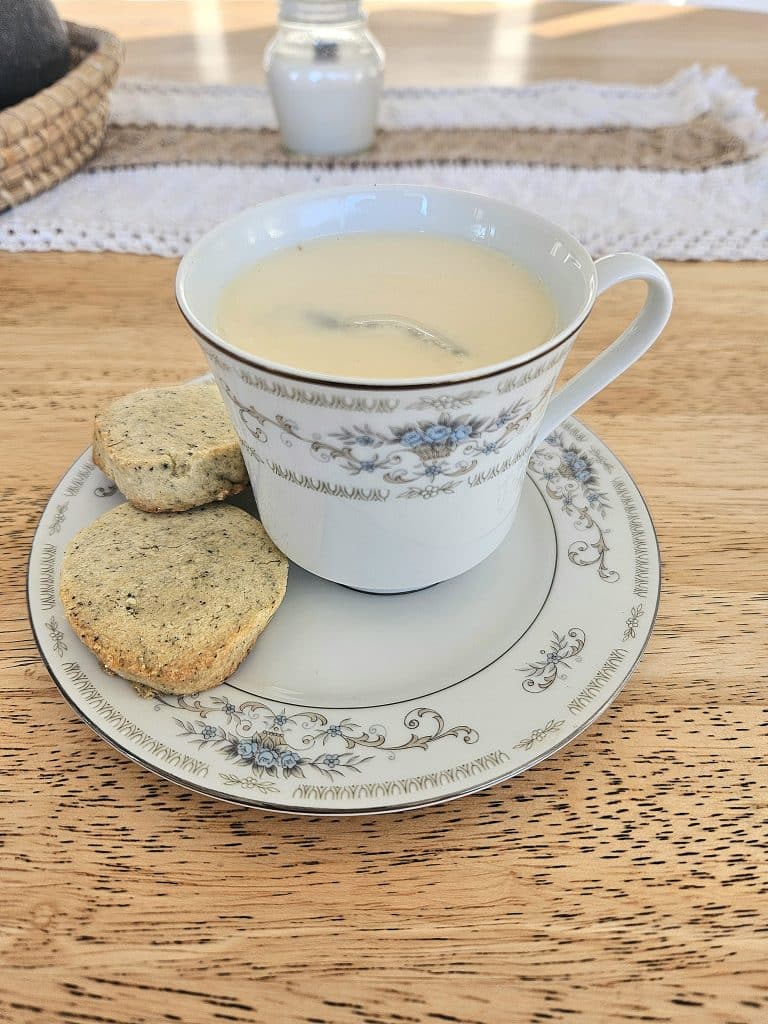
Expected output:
(321, 12)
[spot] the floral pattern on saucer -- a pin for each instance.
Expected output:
(272, 743)
(555, 661)
(571, 478)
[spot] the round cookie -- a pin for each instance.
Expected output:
(173, 602)
(170, 449)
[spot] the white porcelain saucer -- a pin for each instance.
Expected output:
(353, 703)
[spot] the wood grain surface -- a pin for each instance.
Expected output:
(623, 880)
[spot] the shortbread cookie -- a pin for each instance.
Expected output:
(170, 449)
(172, 601)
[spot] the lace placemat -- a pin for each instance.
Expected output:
(677, 171)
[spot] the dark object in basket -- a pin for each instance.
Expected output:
(34, 48)
(50, 135)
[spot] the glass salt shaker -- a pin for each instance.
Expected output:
(324, 69)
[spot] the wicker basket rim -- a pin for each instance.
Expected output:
(101, 65)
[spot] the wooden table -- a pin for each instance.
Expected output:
(622, 880)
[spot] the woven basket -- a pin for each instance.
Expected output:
(49, 136)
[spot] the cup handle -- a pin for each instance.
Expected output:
(628, 347)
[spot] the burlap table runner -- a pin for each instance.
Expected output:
(677, 170)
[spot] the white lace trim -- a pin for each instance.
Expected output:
(720, 213)
(561, 105)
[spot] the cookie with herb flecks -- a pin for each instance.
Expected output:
(173, 602)
(170, 449)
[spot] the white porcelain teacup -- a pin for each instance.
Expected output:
(390, 486)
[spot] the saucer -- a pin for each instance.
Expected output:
(354, 703)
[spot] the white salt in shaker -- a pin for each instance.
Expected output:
(324, 70)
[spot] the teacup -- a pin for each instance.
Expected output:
(394, 485)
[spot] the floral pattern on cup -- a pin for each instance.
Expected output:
(432, 449)
(447, 402)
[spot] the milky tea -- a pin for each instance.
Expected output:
(386, 306)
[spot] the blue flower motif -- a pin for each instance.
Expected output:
(229, 708)
(209, 732)
(593, 498)
(365, 439)
(437, 432)
(334, 730)
(331, 760)
(502, 420)
(461, 432)
(265, 757)
(245, 749)
(551, 439)
(567, 502)
(411, 438)
(288, 759)
(488, 448)
(433, 469)
(550, 475)
(552, 658)
(368, 467)
(280, 719)
(578, 465)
